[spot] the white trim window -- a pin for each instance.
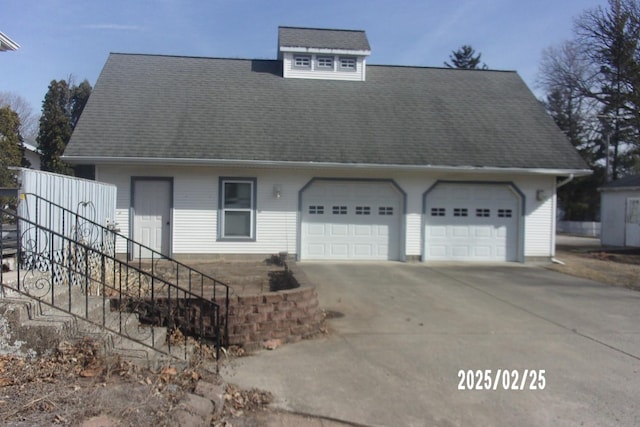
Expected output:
(302, 61)
(237, 208)
(348, 63)
(324, 62)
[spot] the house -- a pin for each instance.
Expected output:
(620, 212)
(324, 156)
(32, 154)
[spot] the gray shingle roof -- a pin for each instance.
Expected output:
(322, 38)
(626, 182)
(202, 108)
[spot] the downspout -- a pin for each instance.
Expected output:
(560, 184)
(566, 181)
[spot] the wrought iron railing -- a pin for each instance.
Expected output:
(83, 228)
(72, 265)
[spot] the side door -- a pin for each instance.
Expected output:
(632, 222)
(152, 215)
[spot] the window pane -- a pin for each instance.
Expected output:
(237, 195)
(237, 224)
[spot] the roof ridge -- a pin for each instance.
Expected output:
(434, 67)
(321, 29)
(167, 55)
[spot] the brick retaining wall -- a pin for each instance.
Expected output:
(287, 315)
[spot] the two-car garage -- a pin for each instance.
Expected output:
(364, 220)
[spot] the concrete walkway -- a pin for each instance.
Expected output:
(403, 334)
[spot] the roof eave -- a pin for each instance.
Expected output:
(7, 44)
(325, 51)
(321, 165)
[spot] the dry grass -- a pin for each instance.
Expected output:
(601, 265)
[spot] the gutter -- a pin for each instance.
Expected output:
(320, 165)
(565, 181)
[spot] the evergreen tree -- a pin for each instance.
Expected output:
(61, 109)
(11, 148)
(466, 58)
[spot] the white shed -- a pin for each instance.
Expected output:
(620, 216)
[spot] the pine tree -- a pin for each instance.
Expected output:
(61, 110)
(11, 148)
(466, 58)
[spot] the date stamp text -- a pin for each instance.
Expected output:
(502, 379)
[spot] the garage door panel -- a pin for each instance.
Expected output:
(362, 250)
(338, 230)
(482, 251)
(317, 250)
(471, 222)
(361, 220)
(483, 231)
(459, 232)
(316, 229)
(382, 231)
(437, 251)
(340, 250)
(460, 251)
(437, 231)
(363, 230)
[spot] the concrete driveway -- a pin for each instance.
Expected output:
(393, 358)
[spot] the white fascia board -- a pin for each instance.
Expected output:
(6, 43)
(605, 190)
(325, 51)
(318, 165)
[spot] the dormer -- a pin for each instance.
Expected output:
(314, 53)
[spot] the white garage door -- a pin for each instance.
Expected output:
(351, 220)
(472, 223)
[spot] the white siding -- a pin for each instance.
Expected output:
(414, 186)
(290, 71)
(539, 216)
(195, 228)
(195, 203)
(613, 216)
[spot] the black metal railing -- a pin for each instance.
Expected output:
(75, 268)
(112, 242)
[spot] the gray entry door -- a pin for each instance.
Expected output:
(152, 215)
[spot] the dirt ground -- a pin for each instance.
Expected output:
(75, 386)
(616, 267)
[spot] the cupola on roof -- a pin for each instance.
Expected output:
(295, 39)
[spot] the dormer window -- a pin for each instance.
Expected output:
(323, 54)
(347, 63)
(324, 62)
(302, 61)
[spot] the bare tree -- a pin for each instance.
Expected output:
(610, 39)
(28, 119)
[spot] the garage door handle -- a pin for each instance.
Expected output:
(168, 222)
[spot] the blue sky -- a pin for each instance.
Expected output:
(59, 38)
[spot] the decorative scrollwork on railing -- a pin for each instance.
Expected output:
(38, 285)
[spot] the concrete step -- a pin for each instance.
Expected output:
(45, 326)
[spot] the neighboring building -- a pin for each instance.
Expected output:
(32, 154)
(324, 156)
(620, 212)
(6, 44)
